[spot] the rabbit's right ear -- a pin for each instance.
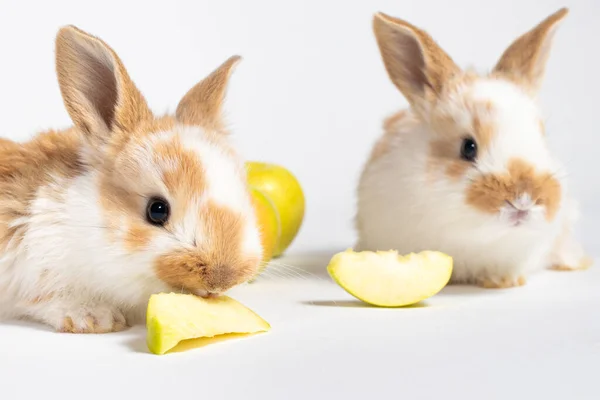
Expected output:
(414, 62)
(97, 91)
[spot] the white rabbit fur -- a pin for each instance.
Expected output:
(416, 192)
(77, 252)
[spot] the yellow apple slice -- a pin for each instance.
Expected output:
(172, 318)
(386, 279)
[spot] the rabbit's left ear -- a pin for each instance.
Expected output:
(524, 61)
(202, 105)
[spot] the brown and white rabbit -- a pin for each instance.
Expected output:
(466, 169)
(96, 218)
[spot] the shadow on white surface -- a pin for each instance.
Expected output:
(337, 303)
(462, 290)
(136, 340)
(28, 325)
(355, 304)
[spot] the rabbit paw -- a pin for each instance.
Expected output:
(585, 263)
(503, 282)
(99, 319)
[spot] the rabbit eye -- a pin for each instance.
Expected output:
(468, 150)
(157, 211)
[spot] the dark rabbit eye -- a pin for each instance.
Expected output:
(157, 211)
(468, 150)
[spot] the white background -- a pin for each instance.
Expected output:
(310, 94)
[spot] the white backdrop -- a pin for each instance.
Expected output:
(311, 94)
(311, 91)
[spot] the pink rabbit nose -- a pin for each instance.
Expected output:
(520, 215)
(519, 210)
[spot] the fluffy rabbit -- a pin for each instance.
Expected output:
(96, 218)
(466, 169)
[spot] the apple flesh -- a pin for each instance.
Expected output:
(172, 318)
(387, 279)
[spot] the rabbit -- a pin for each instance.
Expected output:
(466, 169)
(96, 218)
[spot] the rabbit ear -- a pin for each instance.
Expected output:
(96, 89)
(414, 62)
(524, 61)
(202, 105)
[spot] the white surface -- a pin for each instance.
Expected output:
(541, 341)
(310, 94)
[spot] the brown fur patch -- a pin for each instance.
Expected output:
(41, 299)
(54, 153)
(445, 149)
(489, 193)
(121, 209)
(383, 144)
(217, 264)
(186, 178)
(392, 121)
(142, 131)
(138, 236)
(68, 326)
(393, 127)
(483, 132)
(445, 155)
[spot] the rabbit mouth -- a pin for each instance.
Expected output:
(519, 217)
(517, 214)
(205, 294)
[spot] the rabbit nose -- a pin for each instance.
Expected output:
(521, 203)
(220, 277)
(202, 293)
(519, 210)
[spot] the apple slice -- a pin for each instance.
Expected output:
(172, 318)
(386, 279)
